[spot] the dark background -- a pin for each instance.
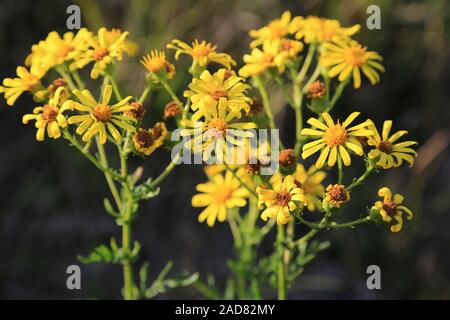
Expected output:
(51, 198)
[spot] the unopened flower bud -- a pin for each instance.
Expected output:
(316, 90)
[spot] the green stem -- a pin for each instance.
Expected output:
(115, 87)
(186, 109)
(308, 236)
(144, 94)
(337, 94)
(307, 223)
(239, 243)
(313, 77)
(323, 224)
(252, 192)
(361, 179)
(341, 171)
(306, 64)
(112, 186)
(349, 224)
(78, 80)
(66, 76)
(128, 282)
(166, 172)
(281, 268)
(89, 156)
(169, 90)
(298, 101)
(266, 101)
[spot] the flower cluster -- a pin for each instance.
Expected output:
(310, 60)
(281, 42)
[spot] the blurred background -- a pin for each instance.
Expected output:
(50, 200)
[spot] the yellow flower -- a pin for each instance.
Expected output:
(392, 208)
(201, 52)
(279, 200)
(55, 49)
(221, 193)
(349, 59)
(291, 47)
(105, 47)
(389, 153)
(49, 117)
(208, 89)
(259, 61)
(28, 80)
(336, 195)
(276, 29)
(130, 47)
(155, 61)
(215, 132)
(310, 181)
(148, 140)
(100, 115)
(334, 139)
(313, 29)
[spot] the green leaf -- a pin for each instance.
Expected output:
(100, 254)
(161, 284)
(109, 208)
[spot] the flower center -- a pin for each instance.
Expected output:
(385, 146)
(63, 50)
(222, 194)
(144, 138)
(100, 53)
(316, 90)
(282, 198)
(338, 193)
(355, 56)
(335, 135)
(49, 113)
(217, 127)
(390, 207)
(277, 29)
(286, 45)
(60, 82)
(216, 95)
(138, 111)
(267, 58)
(102, 113)
(199, 51)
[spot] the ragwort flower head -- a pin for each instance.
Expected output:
(276, 29)
(27, 80)
(334, 139)
(281, 200)
(202, 53)
(259, 61)
(211, 129)
(148, 140)
(106, 47)
(209, 88)
(49, 117)
(392, 208)
(387, 152)
(336, 195)
(310, 181)
(97, 116)
(313, 29)
(350, 59)
(155, 61)
(55, 49)
(221, 193)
